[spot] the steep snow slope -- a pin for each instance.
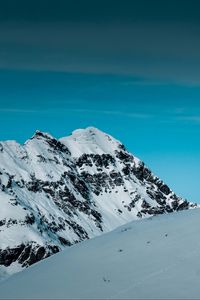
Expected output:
(54, 193)
(155, 258)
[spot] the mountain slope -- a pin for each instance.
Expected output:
(155, 258)
(55, 193)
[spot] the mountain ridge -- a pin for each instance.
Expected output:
(58, 192)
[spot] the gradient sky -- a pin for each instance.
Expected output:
(130, 68)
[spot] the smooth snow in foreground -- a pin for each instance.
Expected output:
(152, 258)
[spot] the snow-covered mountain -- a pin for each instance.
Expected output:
(55, 193)
(154, 258)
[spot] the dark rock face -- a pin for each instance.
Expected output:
(9, 255)
(59, 199)
(26, 254)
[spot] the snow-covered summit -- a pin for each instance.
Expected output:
(40, 134)
(57, 192)
(90, 140)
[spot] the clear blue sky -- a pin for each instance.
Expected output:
(130, 68)
(158, 121)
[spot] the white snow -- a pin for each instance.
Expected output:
(8, 271)
(156, 258)
(90, 140)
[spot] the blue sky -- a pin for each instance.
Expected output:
(158, 121)
(130, 68)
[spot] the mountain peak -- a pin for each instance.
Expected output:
(88, 130)
(89, 133)
(40, 134)
(90, 140)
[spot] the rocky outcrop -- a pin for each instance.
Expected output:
(26, 254)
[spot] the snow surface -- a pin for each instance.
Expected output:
(155, 258)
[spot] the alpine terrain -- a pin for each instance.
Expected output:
(55, 193)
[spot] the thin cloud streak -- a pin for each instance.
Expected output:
(175, 116)
(18, 110)
(113, 113)
(170, 117)
(193, 119)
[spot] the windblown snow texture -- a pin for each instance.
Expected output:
(55, 193)
(154, 258)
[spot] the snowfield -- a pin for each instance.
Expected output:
(154, 258)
